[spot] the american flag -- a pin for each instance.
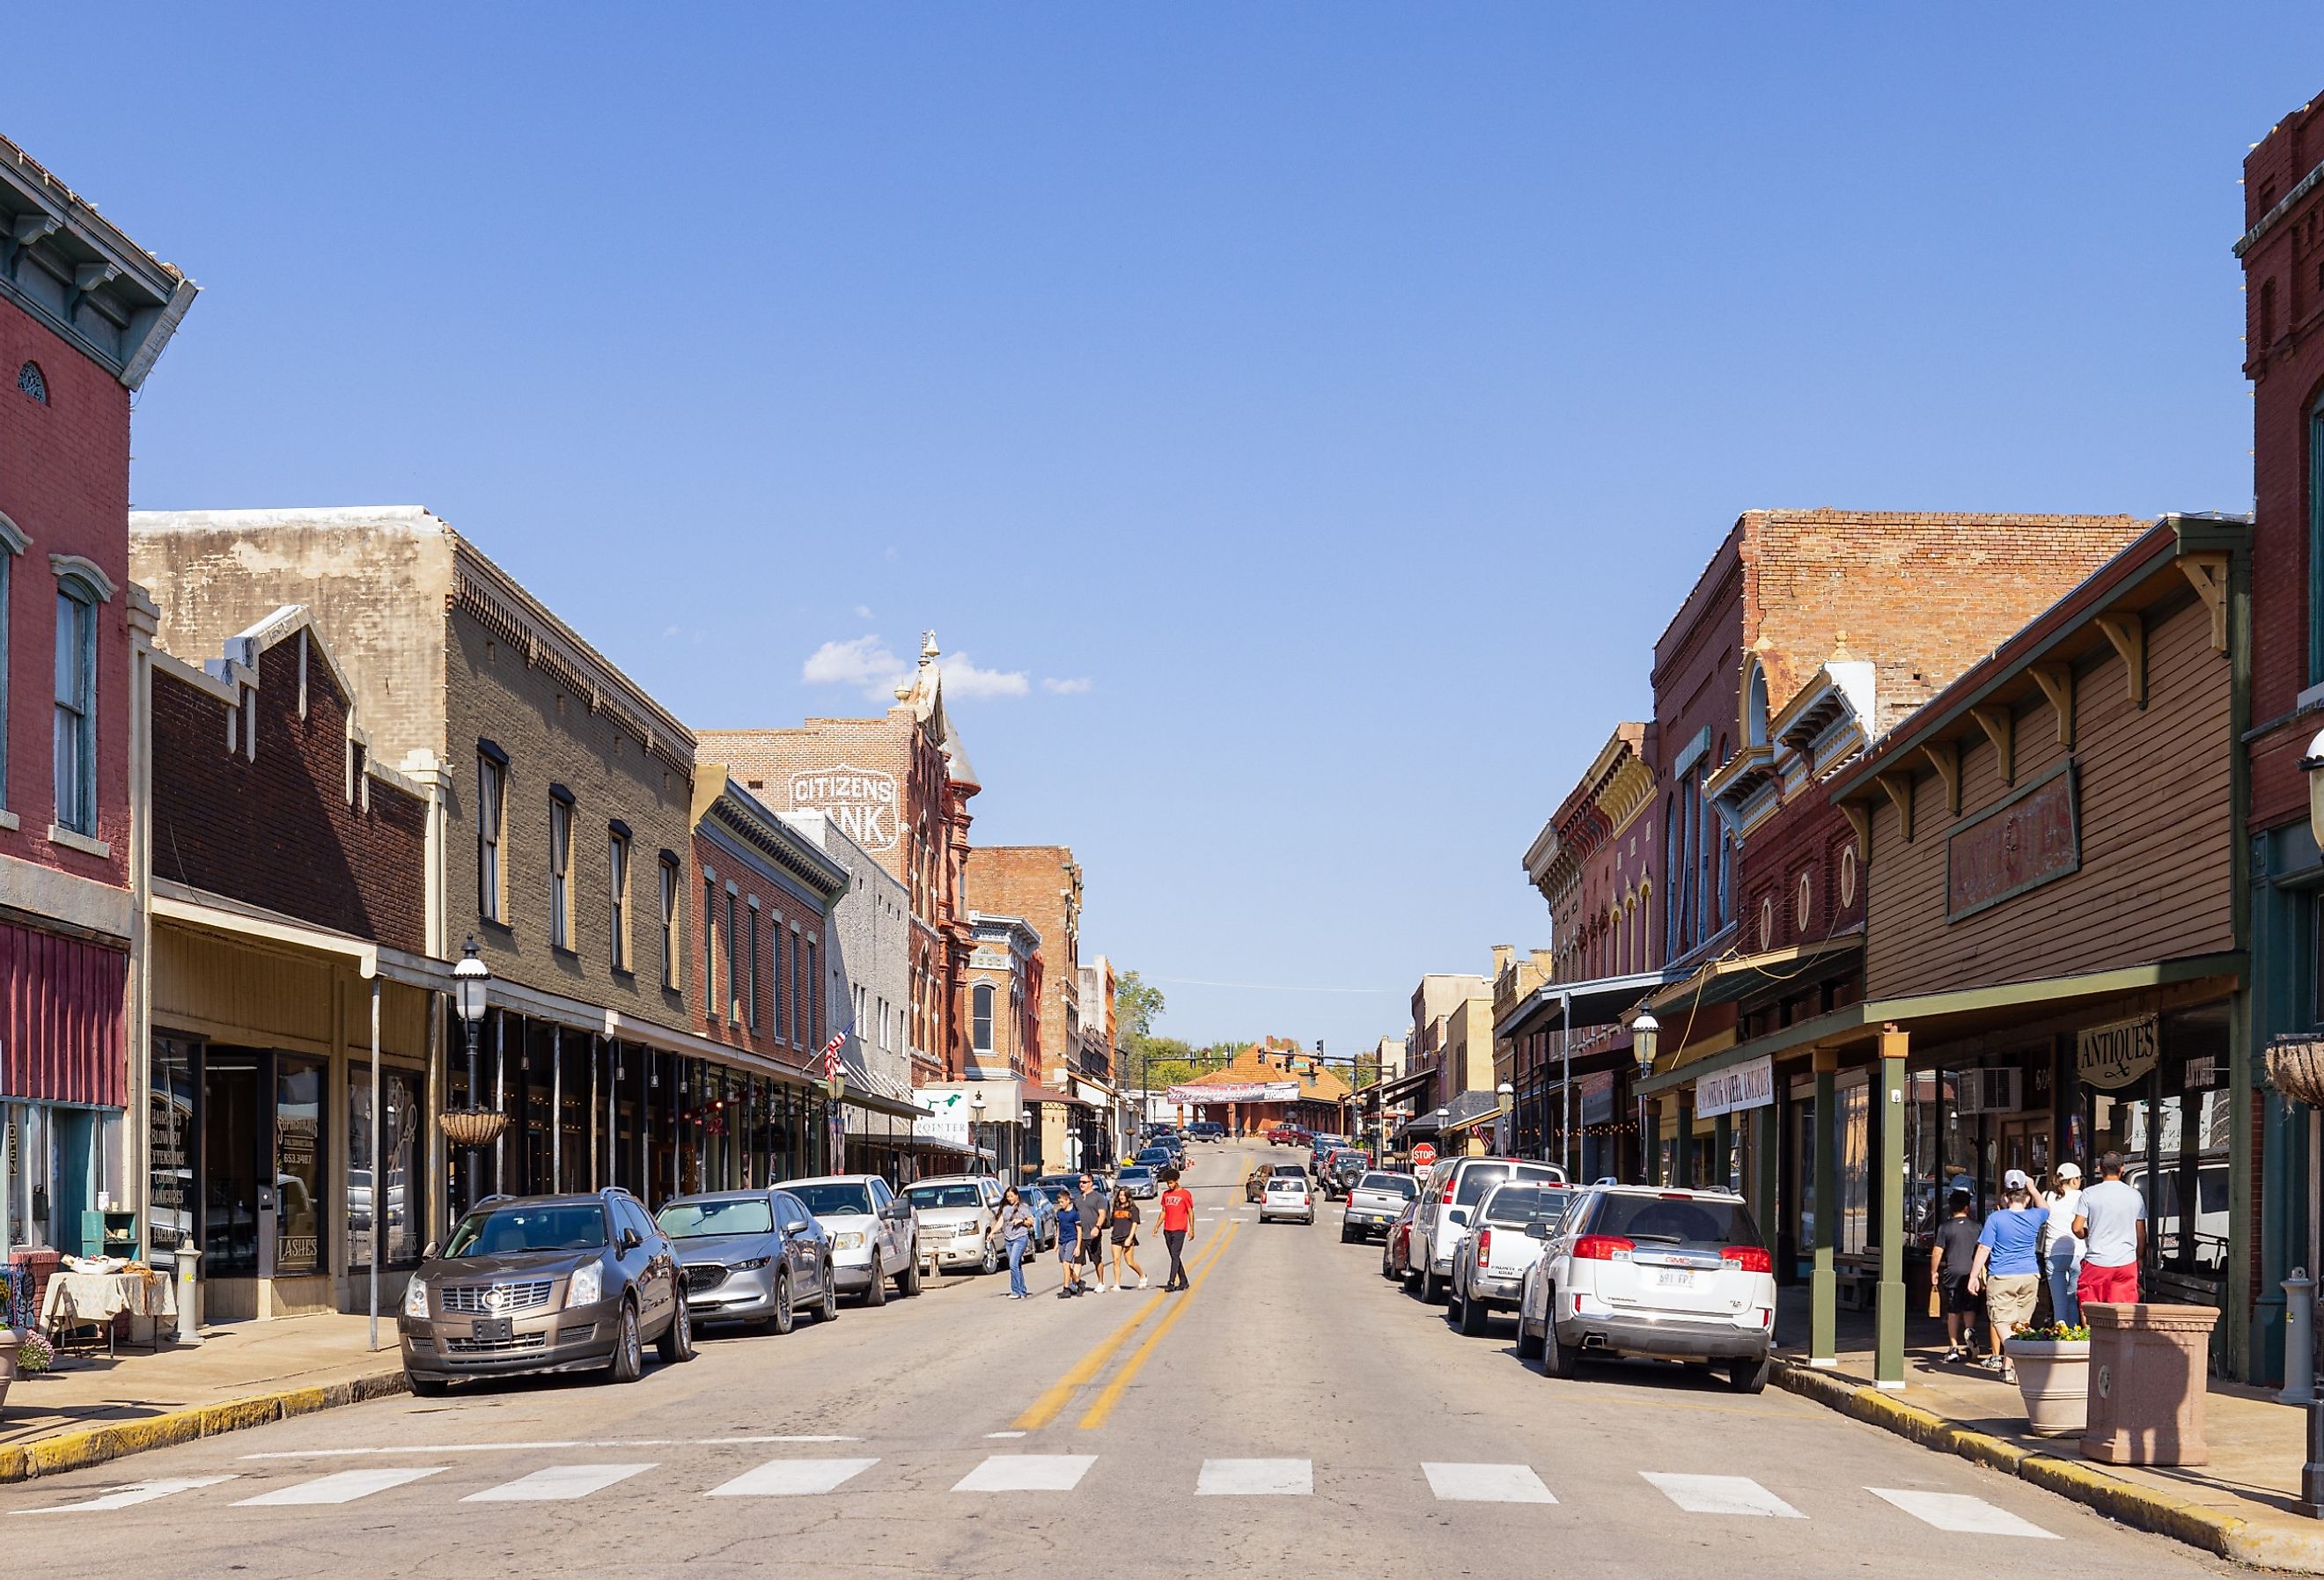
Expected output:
(831, 1055)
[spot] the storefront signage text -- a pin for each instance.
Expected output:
(2113, 1057)
(1749, 1085)
(860, 800)
(2024, 842)
(948, 1122)
(1242, 1092)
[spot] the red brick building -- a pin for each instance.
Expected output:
(899, 786)
(83, 313)
(1041, 885)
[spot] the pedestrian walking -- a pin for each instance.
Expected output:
(1069, 1246)
(2112, 1227)
(1094, 1208)
(1178, 1221)
(1948, 1266)
(1014, 1229)
(2007, 1268)
(2061, 1248)
(1125, 1221)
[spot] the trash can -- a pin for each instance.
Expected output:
(2150, 1367)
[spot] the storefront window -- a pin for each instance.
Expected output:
(392, 1186)
(171, 1132)
(298, 1183)
(1855, 1203)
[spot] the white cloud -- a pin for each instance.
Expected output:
(963, 679)
(1072, 687)
(863, 613)
(864, 663)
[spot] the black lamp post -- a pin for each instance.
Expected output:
(1645, 1031)
(476, 1126)
(976, 1129)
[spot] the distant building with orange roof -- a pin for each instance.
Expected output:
(1272, 1082)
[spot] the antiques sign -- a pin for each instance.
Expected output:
(860, 800)
(2111, 1058)
(2033, 837)
(1749, 1085)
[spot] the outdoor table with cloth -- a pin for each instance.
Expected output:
(73, 1299)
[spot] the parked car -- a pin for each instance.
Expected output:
(1396, 1245)
(874, 1236)
(1140, 1182)
(1490, 1271)
(751, 1256)
(1206, 1129)
(1341, 1171)
(956, 1214)
(1287, 1196)
(1663, 1274)
(1375, 1202)
(1254, 1185)
(1286, 1135)
(1155, 1157)
(1448, 1197)
(545, 1283)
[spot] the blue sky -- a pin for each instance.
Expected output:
(1345, 394)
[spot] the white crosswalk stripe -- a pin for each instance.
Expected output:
(344, 1487)
(1958, 1512)
(1721, 1494)
(1486, 1484)
(1256, 1478)
(128, 1497)
(792, 1478)
(1027, 1472)
(558, 1483)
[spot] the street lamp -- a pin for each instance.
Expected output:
(1508, 1099)
(1644, 1032)
(976, 1127)
(476, 1126)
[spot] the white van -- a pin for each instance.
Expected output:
(1448, 1197)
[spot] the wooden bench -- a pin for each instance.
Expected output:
(1857, 1280)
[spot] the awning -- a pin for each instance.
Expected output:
(1469, 1109)
(874, 1102)
(1961, 1013)
(1425, 1125)
(1723, 982)
(1594, 1003)
(1034, 1092)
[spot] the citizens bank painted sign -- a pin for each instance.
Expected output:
(860, 800)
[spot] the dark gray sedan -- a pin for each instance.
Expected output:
(755, 1256)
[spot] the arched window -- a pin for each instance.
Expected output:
(32, 381)
(1754, 707)
(75, 737)
(981, 1034)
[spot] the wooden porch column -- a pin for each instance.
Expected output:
(1888, 1354)
(1683, 1138)
(1763, 1160)
(1722, 1149)
(1823, 1285)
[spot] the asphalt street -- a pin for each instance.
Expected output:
(1294, 1414)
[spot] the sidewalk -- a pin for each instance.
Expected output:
(90, 1408)
(2242, 1505)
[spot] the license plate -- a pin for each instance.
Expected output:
(491, 1330)
(1675, 1278)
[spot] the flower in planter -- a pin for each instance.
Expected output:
(2056, 1332)
(35, 1353)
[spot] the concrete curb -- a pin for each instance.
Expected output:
(78, 1450)
(2297, 1549)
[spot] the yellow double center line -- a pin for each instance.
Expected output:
(1054, 1399)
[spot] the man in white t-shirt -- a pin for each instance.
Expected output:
(2062, 1256)
(2112, 1225)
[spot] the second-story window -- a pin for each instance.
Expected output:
(751, 971)
(782, 999)
(617, 894)
(734, 976)
(75, 710)
(799, 995)
(812, 1033)
(981, 1036)
(492, 802)
(670, 892)
(709, 947)
(560, 872)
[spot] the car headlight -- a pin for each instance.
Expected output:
(415, 1300)
(588, 1286)
(850, 1239)
(752, 1266)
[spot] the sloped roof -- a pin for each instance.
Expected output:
(1277, 1060)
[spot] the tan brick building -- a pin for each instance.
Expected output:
(899, 786)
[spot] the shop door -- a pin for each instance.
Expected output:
(237, 1137)
(2021, 1140)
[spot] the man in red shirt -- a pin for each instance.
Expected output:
(1178, 1221)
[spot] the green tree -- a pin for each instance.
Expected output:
(1135, 1008)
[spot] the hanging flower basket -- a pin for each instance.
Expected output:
(2295, 1068)
(472, 1127)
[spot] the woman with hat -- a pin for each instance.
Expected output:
(2061, 1248)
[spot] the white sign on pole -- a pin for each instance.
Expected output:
(1749, 1085)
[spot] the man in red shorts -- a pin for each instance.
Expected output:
(2112, 1225)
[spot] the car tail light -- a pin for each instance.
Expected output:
(1749, 1258)
(1484, 1247)
(1604, 1248)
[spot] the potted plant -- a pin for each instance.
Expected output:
(2053, 1376)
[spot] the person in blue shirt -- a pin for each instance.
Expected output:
(1069, 1246)
(2008, 1270)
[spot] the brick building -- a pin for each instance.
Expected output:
(1042, 883)
(83, 313)
(289, 982)
(899, 786)
(1268, 1083)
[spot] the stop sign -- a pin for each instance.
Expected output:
(1423, 1155)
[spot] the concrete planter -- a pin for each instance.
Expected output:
(2053, 1378)
(9, 1339)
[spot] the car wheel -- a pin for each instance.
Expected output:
(991, 1262)
(1472, 1316)
(676, 1345)
(426, 1387)
(908, 1282)
(1558, 1359)
(875, 1293)
(1410, 1279)
(628, 1362)
(829, 1310)
(1528, 1342)
(1749, 1376)
(785, 1317)
(1347, 1235)
(1432, 1288)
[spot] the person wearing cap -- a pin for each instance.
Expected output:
(2062, 1254)
(2008, 1270)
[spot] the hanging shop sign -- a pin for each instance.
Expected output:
(2114, 1056)
(2029, 839)
(1749, 1085)
(949, 1119)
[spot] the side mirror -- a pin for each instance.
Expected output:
(428, 1252)
(796, 1226)
(1538, 1230)
(630, 1241)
